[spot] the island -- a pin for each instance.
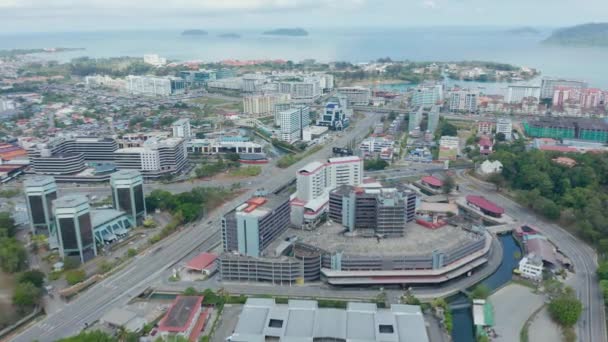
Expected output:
(229, 35)
(592, 34)
(293, 32)
(17, 52)
(194, 33)
(527, 30)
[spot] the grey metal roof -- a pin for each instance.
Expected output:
(303, 321)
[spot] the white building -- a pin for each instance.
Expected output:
(262, 105)
(155, 86)
(464, 100)
(517, 93)
(105, 81)
(427, 95)
(307, 90)
(230, 83)
(181, 128)
(376, 144)
(314, 182)
(155, 60)
(253, 82)
(154, 158)
(548, 86)
(489, 167)
(449, 142)
(356, 96)
(504, 126)
(292, 122)
(6, 105)
(531, 266)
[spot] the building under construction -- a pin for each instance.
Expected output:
(568, 128)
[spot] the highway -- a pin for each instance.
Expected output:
(592, 324)
(125, 284)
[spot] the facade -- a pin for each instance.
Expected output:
(588, 129)
(75, 228)
(40, 192)
(548, 85)
(415, 118)
(333, 117)
(306, 90)
(223, 145)
(181, 129)
(485, 128)
(427, 95)
(155, 158)
(293, 121)
(517, 93)
(198, 77)
(226, 83)
(252, 226)
(302, 320)
(262, 105)
(64, 156)
(356, 96)
(531, 266)
(155, 86)
(128, 194)
(253, 82)
(464, 100)
(504, 126)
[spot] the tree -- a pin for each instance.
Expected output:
(500, 136)
(565, 309)
(105, 266)
(13, 255)
(448, 184)
(498, 180)
(26, 295)
(90, 336)
(7, 225)
(35, 277)
(234, 157)
(70, 263)
(190, 291)
(131, 252)
(75, 276)
(602, 270)
(480, 291)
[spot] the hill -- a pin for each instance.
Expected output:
(295, 32)
(523, 31)
(593, 34)
(194, 33)
(229, 35)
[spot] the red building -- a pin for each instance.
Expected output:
(485, 206)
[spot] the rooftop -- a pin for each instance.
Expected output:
(101, 216)
(201, 261)
(71, 201)
(434, 181)
(125, 174)
(417, 240)
(485, 204)
(301, 320)
(39, 181)
(261, 206)
(181, 314)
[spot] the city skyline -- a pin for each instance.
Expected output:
(69, 15)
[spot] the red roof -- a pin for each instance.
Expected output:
(485, 141)
(181, 314)
(202, 261)
(200, 325)
(484, 204)
(434, 181)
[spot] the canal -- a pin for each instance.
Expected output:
(462, 330)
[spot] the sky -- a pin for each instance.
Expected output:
(100, 15)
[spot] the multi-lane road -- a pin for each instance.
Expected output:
(119, 288)
(592, 324)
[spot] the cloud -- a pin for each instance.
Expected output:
(430, 4)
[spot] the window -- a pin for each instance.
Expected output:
(386, 329)
(275, 323)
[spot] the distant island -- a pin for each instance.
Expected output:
(524, 31)
(17, 52)
(293, 32)
(194, 33)
(229, 35)
(593, 34)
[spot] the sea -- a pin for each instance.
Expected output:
(355, 45)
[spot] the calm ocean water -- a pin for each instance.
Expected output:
(355, 45)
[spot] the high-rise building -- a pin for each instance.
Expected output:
(253, 82)
(517, 93)
(225, 73)
(548, 85)
(591, 98)
(262, 105)
(181, 128)
(464, 100)
(155, 158)
(304, 90)
(427, 95)
(356, 96)
(415, 118)
(128, 194)
(155, 86)
(75, 228)
(293, 121)
(40, 192)
(504, 126)
(252, 226)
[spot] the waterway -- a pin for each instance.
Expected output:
(463, 318)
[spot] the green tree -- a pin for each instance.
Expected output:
(35, 277)
(498, 180)
(190, 291)
(565, 309)
(7, 225)
(26, 295)
(131, 252)
(105, 266)
(13, 255)
(480, 291)
(75, 276)
(500, 136)
(90, 336)
(602, 270)
(448, 184)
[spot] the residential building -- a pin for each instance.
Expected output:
(155, 86)
(302, 320)
(373, 145)
(40, 192)
(74, 228)
(464, 100)
(356, 96)
(128, 194)
(181, 128)
(505, 126)
(415, 118)
(531, 266)
(262, 105)
(485, 128)
(548, 86)
(314, 182)
(563, 95)
(293, 122)
(433, 119)
(301, 89)
(591, 98)
(516, 93)
(252, 226)
(427, 95)
(253, 82)
(181, 319)
(155, 60)
(155, 158)
(485, 145)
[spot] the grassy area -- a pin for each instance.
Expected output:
(290, 159)
(8, 193)
(211, 101)
(246, 171)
